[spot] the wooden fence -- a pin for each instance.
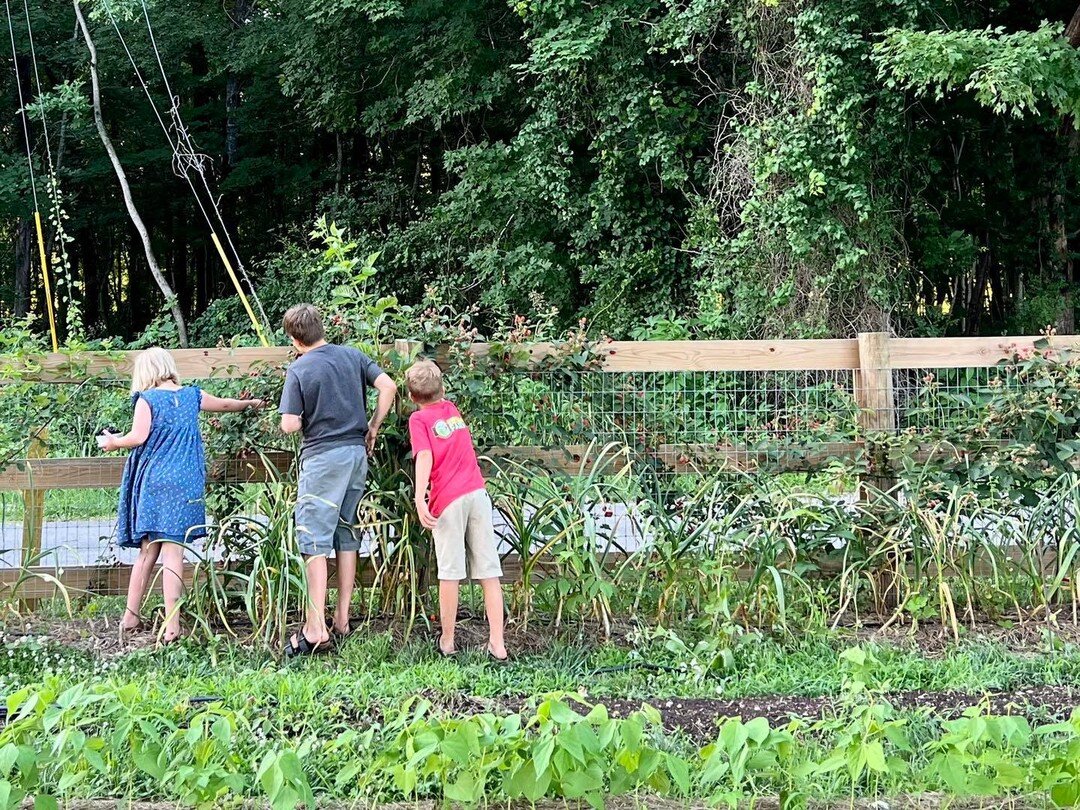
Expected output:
(871, 358)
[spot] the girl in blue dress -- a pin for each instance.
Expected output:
(162, 492)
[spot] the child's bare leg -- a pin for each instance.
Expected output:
(315, 624)
(139, 582)
(448, 604)
(346, 580)
(493, 605)
(172, 583)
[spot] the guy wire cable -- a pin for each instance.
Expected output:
(54, 180)
(33, 182)
(181, 161)
(182, 133)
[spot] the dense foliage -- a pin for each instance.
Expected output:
(714, 167)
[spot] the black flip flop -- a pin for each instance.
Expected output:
(301, 646)
(494, 658)
(441, 652)
(337, 633)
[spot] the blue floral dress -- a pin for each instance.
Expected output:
(163, 488)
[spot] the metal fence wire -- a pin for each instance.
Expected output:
(738, 410)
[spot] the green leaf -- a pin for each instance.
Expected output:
(466, 789)
(563, 714)
(541, 754)
(1067, 794)
(576, 784)
(758, 730)
(875, 757)
(524, 783)
(631, 731)
(8, 754)
(680, 773)
(462, 744)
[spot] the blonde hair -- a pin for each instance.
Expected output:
(153, 367)
(424, 381)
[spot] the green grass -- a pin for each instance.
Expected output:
(373, 667)
(63, 504)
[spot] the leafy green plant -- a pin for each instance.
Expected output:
(745, 761)
(263, 578)
(979, 754)
(871, 738)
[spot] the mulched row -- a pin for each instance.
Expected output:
(698, 718)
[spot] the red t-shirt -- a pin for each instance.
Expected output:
(438, 427)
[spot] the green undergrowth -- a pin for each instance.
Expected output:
(210, 722)
(209, 727)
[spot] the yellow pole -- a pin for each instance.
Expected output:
(48, 286)
(239, 289)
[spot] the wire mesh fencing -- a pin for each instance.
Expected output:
(69, 519)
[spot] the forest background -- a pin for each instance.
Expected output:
(662, 168)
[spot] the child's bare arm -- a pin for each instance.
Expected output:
(387, 389)
(423, 478)
(214, 404)
(140, 430)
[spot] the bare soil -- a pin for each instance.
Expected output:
(698, 718)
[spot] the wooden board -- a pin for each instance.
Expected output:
(105, 472)
(731, 355)
(193, 364)
(930, 353)
(617, 356)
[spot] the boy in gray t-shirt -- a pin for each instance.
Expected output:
(325, 396)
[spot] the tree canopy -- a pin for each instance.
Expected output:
(663, 168)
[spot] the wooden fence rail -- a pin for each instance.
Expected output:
(871, 358)
(617, 356)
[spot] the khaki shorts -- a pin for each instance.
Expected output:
(464, 534)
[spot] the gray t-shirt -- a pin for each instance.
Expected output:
(327, 389)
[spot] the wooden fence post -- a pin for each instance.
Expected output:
(33, 509)
(873, 384)
(407, 349)
(876, 399)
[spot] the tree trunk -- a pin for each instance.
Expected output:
(1066, 324)
(24, 251)
(1072, 30)
(137, 221)
(241, 14)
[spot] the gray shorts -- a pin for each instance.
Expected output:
(329, 492)
(465, 536)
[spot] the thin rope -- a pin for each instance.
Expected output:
(157, 114)
(180, 164)
(54, 180)
(22, 105)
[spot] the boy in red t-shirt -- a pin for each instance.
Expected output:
(457, 509)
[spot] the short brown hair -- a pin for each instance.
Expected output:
(304, 324)
(424, 381)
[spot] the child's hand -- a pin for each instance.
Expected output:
(427, 520)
